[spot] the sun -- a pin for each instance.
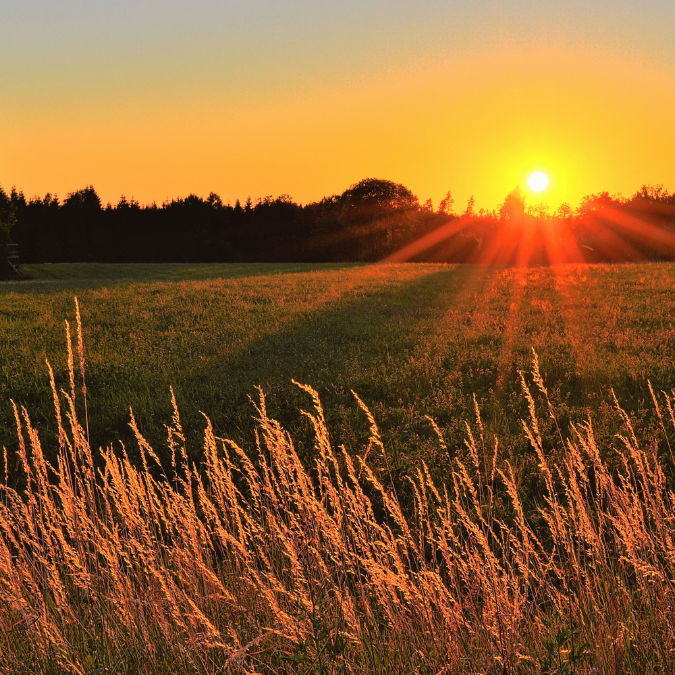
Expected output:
(538, 181)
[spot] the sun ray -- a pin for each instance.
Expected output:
(646, 231)
(428, 241)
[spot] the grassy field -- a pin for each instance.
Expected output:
(549, 553)
(411, 340)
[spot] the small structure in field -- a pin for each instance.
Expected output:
(13, 262)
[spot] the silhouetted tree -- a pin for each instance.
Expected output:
(380, 215)
(564, 211)
(81, 220)
(445, 207)
(469, 207)
(7, 220)
(369, 221)
(596, 202)
(513, 207)
(374, 196)
(654, 193)
(215, 201)
(540, 210)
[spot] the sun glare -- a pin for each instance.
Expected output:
(538, 181)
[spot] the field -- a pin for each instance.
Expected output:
(544, 556)
(411, 340)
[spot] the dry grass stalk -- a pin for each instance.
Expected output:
(258, 563)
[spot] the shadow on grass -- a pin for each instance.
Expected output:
(421, 345)
(53, 278)
(368, 344)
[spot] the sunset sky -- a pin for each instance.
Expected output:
(159, 99)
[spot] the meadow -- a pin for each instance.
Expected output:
(543, 546)
(411, 340)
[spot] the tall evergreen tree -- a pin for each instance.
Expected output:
(7, 220)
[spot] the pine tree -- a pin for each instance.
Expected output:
(469, 207)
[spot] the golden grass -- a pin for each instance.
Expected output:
(254, 562)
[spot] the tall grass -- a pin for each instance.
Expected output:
(256, 562)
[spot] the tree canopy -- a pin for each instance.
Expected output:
(7, 220)
(384, 195)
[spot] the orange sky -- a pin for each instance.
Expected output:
(157, 110)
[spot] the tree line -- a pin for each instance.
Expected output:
(372, 220)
